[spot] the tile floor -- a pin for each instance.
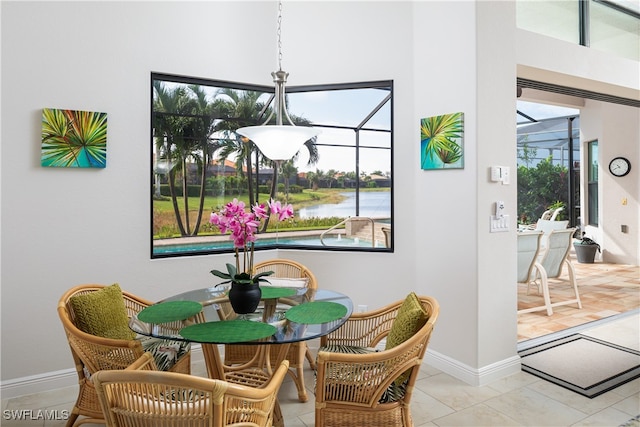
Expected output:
(605, 290)
(441, 400)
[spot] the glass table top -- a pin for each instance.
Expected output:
(317, 312)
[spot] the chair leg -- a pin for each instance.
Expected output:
(278, 419)
(310, 359)
(299, 380)
(73, 416)
(574, 282)
(545, 290)
(297, 371)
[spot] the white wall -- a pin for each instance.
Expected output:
(61, 227)
(617, 130)
(616, 127)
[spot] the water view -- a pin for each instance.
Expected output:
(373, 204)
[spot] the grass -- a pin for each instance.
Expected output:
(165, 225)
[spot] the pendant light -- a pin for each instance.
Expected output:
(281, 141)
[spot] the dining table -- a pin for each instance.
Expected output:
(285, 315)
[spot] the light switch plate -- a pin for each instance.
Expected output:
(499, 224)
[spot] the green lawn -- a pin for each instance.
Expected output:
(299, 200)
(165, 226)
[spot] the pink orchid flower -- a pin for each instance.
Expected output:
(243, 226)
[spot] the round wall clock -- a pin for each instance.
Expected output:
(619, 166)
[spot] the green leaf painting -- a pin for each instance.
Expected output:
(441, 142)
(74, 139)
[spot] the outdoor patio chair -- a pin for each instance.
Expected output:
(554, 258)
(92, 353)
(137, 397)
(356, 384)
(528, 251)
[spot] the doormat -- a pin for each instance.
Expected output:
(582, 364)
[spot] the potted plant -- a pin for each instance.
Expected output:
(586, 250)
(245, 292)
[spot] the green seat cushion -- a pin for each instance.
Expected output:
(410, 318)
(102, 313)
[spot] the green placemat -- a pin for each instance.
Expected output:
(269, 292)
(227, 331)
(316, 312)
(169, 311)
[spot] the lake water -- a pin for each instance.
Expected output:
(373, 204)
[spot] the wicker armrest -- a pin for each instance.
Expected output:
(143, 363)
(364, 378)
(363, 329)
(99, 353)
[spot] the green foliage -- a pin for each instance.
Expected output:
(556, 205)
(193, 190)
(243, 278)
(296, 189)
(540, 187)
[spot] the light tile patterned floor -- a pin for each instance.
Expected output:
(441, 400)
(605, 290)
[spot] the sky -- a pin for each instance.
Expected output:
(351, 107)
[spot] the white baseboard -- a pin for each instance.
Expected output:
(472, 376)
(67, 377)
(60, 379)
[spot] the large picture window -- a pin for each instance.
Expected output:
(339, 183)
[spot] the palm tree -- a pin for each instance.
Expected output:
(182, 121)
(249, 110)
(243, 108)
(288, 170)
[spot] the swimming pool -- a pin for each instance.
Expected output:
(335, 241)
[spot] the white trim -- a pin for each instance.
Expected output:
(60, 379)
(474, 377)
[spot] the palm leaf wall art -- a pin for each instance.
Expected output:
(441, 140)
(74, 139)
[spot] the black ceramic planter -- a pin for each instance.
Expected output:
(585, 253)
(244, 298)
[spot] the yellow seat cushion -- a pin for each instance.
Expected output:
(102, 313)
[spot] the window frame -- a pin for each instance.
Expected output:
(291, 91)
(593, 166)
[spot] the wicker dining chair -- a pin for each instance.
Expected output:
(254, 373)
(142, 398)
(240, 354)
(362, 386)
(93, 353)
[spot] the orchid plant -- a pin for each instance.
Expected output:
(243, 226)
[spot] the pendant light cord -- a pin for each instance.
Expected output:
(279, 35)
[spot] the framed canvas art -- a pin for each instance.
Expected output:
(441, 142)
(74, 139)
